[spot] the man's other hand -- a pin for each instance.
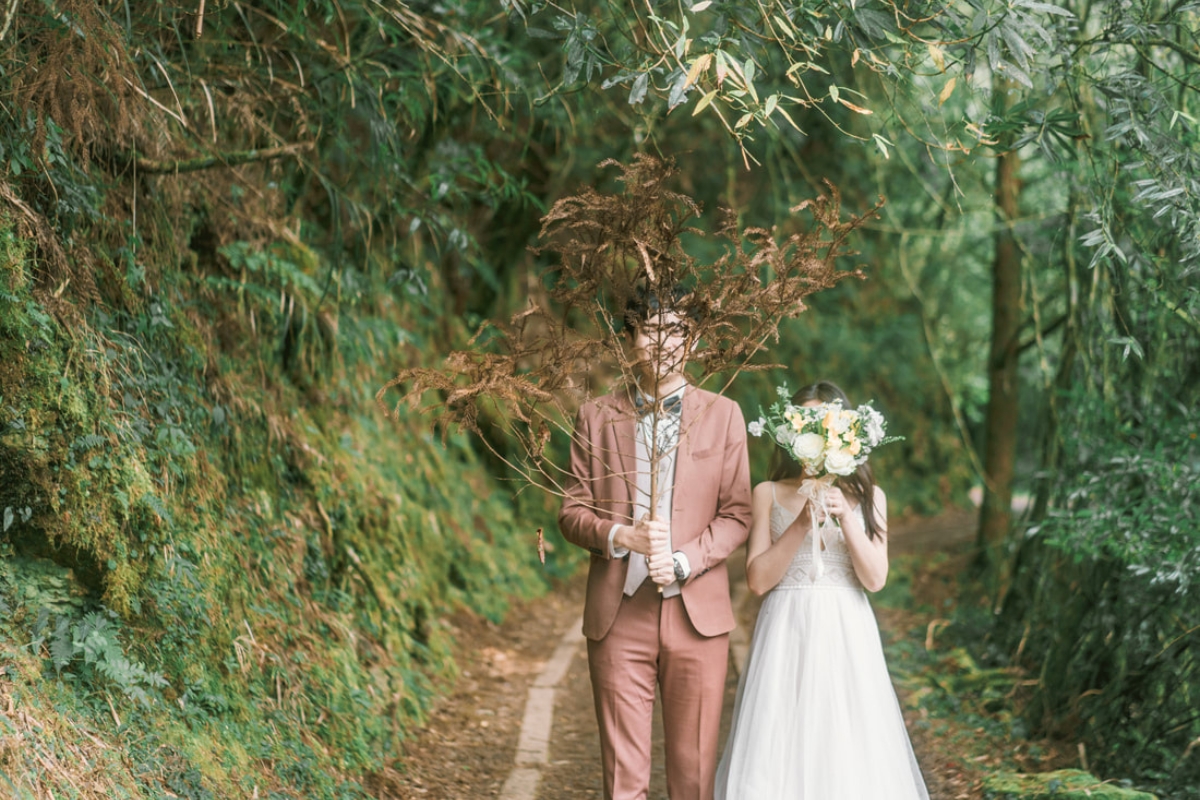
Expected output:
(662, 566)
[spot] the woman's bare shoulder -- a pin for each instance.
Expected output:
(764, 493)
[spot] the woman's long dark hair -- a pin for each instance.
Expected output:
(859, 484)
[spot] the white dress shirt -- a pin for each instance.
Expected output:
(658, 431)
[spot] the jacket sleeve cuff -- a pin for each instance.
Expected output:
(613, 550)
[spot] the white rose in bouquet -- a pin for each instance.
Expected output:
(840, 462)
(808, 447)
(872, 425)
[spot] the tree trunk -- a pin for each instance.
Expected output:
(1000, 428)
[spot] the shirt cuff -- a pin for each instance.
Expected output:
(613, 550)
(682, 559)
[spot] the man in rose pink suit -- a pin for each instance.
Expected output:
(658, 610)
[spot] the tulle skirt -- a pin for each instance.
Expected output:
(816, 717)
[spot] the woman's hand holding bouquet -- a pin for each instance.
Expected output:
(828, 440)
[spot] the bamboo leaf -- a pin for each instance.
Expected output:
(1131, 345)
(947, 90)
(938, 55)
(704, 101)
(1045, 8)
(732, 66)
(852, 107)
(748, 75)
(785, 26)
(788, 117)
(678, 91)
(638, 93)
(697, 69)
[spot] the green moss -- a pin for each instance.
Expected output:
(1063, 784)
(287, 561)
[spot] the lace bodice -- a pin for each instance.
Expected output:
(838, 570)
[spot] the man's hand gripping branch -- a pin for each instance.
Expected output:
(650, 538)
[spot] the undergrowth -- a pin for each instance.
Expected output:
(968, 713)
(222, 571)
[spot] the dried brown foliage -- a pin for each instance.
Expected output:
(73, 67)
(526, 375)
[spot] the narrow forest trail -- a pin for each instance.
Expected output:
(472, 742)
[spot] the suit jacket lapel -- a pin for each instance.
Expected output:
(683, 454)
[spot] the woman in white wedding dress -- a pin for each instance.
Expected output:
(816, 717)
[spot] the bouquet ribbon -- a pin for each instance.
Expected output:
(814, 490)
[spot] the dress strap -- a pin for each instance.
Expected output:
(774, 498)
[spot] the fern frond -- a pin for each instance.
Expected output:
(62, 645)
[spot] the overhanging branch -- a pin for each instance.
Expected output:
(232, 159)
(1049, 329)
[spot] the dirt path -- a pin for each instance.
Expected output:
(469, 746)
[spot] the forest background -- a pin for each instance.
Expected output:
(223, 570)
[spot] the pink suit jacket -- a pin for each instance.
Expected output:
(710, 515)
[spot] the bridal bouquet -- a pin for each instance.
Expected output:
(826, 439)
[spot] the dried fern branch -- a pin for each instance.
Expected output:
(519, 381)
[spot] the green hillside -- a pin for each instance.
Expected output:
(224, 568)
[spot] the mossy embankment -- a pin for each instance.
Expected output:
(223, 571)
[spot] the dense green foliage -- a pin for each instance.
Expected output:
(1104, 604)
(217, 554)
(1101, 604)
(273, 560)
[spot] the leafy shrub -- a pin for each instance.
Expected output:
(1105, 605)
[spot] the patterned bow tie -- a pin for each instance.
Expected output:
(672, 405)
